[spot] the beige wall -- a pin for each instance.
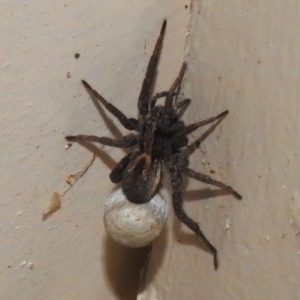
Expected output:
(242, 56)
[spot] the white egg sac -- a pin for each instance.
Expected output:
(134, 225)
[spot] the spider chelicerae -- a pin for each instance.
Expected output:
(159, 137)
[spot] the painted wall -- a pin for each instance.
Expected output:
(68, 256)
(241, 56)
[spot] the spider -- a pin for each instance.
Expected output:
(159, 136)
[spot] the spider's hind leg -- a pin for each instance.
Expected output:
(207, 179)
(176, 182)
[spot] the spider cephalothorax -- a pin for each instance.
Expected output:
(160, 138)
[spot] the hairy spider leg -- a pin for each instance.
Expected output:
(176, 182)
(125, 142)
(128, 123)
(180, 139)
(207, 179)
(175, 88)
(181, 75)
(150, 75)
(192, 127)
(196, 175)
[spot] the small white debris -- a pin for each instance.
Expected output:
(298, 252)
(68, 145)
(291, 221)
(268, 239)
(227, 223)
(19, 213)
(17, 227)
(23, 263)
(30, 265)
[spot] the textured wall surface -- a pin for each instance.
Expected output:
(242, 56)
(42, 99)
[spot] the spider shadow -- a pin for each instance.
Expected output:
(126, 268)
(158, 247)
(110, 125)
(122, 268)
(101, 154)
(204, 194)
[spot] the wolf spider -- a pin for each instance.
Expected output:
(159, 136)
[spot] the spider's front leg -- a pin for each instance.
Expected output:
(180, 140)
(176, 182)
(150, 76)
(125, 142)
(180, 105)
(175, 88)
